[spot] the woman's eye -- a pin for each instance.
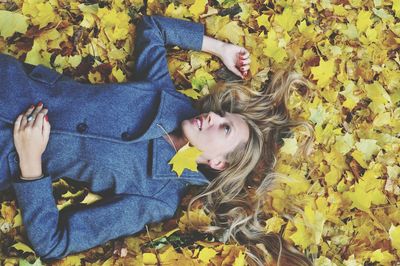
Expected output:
(227, 129)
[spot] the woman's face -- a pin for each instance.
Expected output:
(215, 136)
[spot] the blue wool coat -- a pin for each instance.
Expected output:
(108, 136)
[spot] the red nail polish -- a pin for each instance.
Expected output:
(46, 118)
(40, 104)
(32, 106)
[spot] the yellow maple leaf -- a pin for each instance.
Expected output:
(91, 198)
(95, 77)
(199, 59)
(72, 260)
(215, 23)
(315, 220)
(288, 18)
(363, 20)
(185, 158)
(359, 157)
(272, 48)
(318, 115)
(180, 11)
(394, 233)
(377, 94)
(383, 257)
(8, 212)
(333, 176)
(351, 99)
(206, 254)
(396, 8)
(360, 198)
(232, 32)
(198, 8)
(37, 55)
(202, 79)
(367, 147)
(307, 31)
(240, 260)
(11, 22)
(197, 218)
(190, 93)
(290, 146)
(22, 247)
(301, 237)
(344, 143)
(324, 72)
(274, 224)
(382, 119)
(263, 20)
(41, 13)
(149, 259)
(17, 220)
(118, 74)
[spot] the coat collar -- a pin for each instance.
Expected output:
(174, 107)
(162, 154)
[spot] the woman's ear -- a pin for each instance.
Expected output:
(217, 164)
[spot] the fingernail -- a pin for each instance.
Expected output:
(46, 118)
(32, 106)
(40, 104)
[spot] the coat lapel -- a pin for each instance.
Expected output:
(173, 109)
(162, 154)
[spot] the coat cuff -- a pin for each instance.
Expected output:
(29, 192)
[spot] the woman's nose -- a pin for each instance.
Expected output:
(212, 118)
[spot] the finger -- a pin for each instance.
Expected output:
(244, 54)
(245, 62)
(244, 68)
(46, 128)
(17, 123)
(28, 112)
(236, 72)
(35, 113)
(39, 118)
(38, 108)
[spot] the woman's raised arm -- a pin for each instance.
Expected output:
(153, 33)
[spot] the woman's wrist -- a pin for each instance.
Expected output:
(31, 169)
(212, 46)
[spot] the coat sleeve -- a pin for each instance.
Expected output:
(55, 234)
(153, 33)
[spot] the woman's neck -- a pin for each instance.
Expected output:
(177, 138)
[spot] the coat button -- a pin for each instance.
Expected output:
(125, 136)
(81, 127)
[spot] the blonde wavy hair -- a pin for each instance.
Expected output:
(235, 196)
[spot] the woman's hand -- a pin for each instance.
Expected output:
(31, 135)
(236, 59)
